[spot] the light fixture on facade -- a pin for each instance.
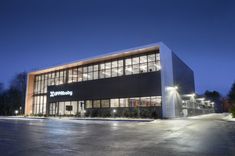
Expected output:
(172, 88)
(114, 111)
(16, 112)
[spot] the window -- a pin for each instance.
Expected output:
(134, 102)
(39, 87)
(90, 76)
(142, 64)
(114, 68)
(151, 58)
(79, 74)
(135, 68)
(61, 77)
(104, 103)
(120, 67)
(124, 102)
(67, 108)
(52, 81)
(107, 70)
(61, 108)
(128, 69)
(45, 102)
(90, 73)
(75, 75)
(45, 84)
(70, 76)
(89, 104)
(158, 57)
(96, 103)
(114, 72)
(102, 70)
(74, 104)
(114, 103)
(145, 102)
(57, 78)
(152, 63)
(117, 68)
(96, 72)
(85, 76)
(151, 66)
(156, 101)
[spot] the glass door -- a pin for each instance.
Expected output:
(81, 108)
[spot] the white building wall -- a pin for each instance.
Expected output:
(168, 102)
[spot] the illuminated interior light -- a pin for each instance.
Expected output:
(143, 67)
(129, 69)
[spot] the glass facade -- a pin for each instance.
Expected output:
(119, 67)
(74, 107)
(125, 102)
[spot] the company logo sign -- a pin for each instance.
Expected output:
(61, 93)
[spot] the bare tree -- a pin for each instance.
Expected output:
(231, 94)
(215, 97)
(1, 87)
(18, 84)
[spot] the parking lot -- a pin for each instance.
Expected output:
(205, 135)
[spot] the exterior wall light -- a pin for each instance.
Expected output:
(16, 112)
(114, 111)
(172, 88)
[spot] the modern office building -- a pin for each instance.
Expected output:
(147, 81)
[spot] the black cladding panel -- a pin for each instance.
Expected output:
(183, 76)
(138, 85)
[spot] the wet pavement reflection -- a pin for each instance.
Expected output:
(203, 136)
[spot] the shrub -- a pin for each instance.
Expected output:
(232, 110)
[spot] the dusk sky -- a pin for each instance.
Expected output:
(37, 34)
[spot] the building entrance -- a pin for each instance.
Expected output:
(67, 108)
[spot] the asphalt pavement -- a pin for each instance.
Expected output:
(208, 135)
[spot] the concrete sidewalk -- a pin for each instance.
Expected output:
(101, 119)
(76, 118)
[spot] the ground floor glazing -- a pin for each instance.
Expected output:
(77, 107)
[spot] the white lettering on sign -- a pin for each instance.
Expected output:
(61, 93)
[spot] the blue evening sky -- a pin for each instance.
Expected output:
(37, 34)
